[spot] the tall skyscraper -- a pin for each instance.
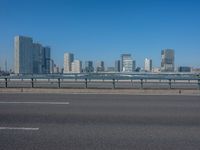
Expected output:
(47, 60)
(68, 59)
(167, 63)
(117, 66)
(134, 65)
(51, 66)
(100, 66)
(148, 65)
(30, 57)
(89, 66)
(37, 58)
(76, 66)
(5, 69)
(127, 63)
(23, 55)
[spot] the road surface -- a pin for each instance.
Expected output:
(99, 122)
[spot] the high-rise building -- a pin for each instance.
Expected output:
(6, 69)
(76, 66)
(37, 58)
(89, 66)
(100, 66)
(30, 58)
(41, 59)
(56, 69)
(117, 66)
(184, 69)
(148, 65)
(68, 59)
(167, 63)
(51, 66)
(23, 55)
(47, 60)
(127, 63)
(134, 65)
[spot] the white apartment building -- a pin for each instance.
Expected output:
(127, 63)
(76, 66)
(68, 59)
(148, 65)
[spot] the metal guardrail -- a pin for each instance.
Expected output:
(104, 80)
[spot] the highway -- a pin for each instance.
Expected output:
(99, 122)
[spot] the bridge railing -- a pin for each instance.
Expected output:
(114, 81)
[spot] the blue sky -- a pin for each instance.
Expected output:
(104, 29)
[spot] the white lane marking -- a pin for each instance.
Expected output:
(18, 128)
(48, 103)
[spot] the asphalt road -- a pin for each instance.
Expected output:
(99, 122)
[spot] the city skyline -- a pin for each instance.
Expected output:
(112, 65)
(31, 57)
(103, 30)
(34, 58)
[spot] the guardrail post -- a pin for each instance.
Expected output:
(199, 84)
(75, 77)
(6, 82)
(86, 83)
(141, 83)
(132, 82)
(58, 82)
(32, 83)
(170, 83)
(113, 83)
